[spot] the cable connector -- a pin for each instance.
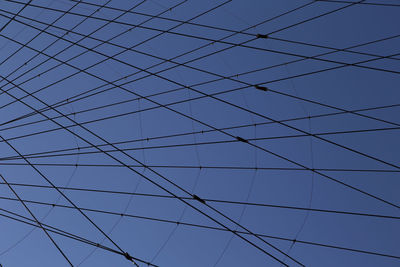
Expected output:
(196, 197)
(262, 88)
(241, 139)
(264, 36)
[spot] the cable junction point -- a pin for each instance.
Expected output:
(199, 199)
(241, 139)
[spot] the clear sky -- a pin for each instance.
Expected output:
(199, 133)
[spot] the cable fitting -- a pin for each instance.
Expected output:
(128, 257)
(262, 88)
(241, 139)
(196, 197)
(264, 36)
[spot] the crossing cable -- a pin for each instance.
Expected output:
(223, 201)
(95, 47)
(68, 199)
(48, 25)
(180, 21)
(164, 31)
(36, 220)
(72, 44)
(262, 88)
(199, 199)
(55, 230)
(263, 149)
(323, 70)
(59, 191)
(234, 31)
(208, 39)
(226, 128)
(316, 17)
(63, 102)
(198, 69)
(273, 153)
(226, 102)
(128, 257)
(51, 44)
(74, 98)
(15, 15)
(120, 34)
(191, 51)
(56, 153)
(183, 22)
(148, 179)
(314, 102)
(225, 230)
(46, 226)
(194, 185)
(265, 21)
(5, 181)
(303, 57)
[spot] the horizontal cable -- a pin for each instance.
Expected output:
(206, 199)
(254, 113)
(207, 39)
(157, 166)
(263, 149)
(49, 154)
(297, 76)
(262, 168)
(224, 230)
(28, 221)
(331, 52)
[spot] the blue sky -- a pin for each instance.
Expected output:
(116, 113)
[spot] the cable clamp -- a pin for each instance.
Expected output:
(262, 88)
(196, 197)
(241, 139)
(264, 36)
